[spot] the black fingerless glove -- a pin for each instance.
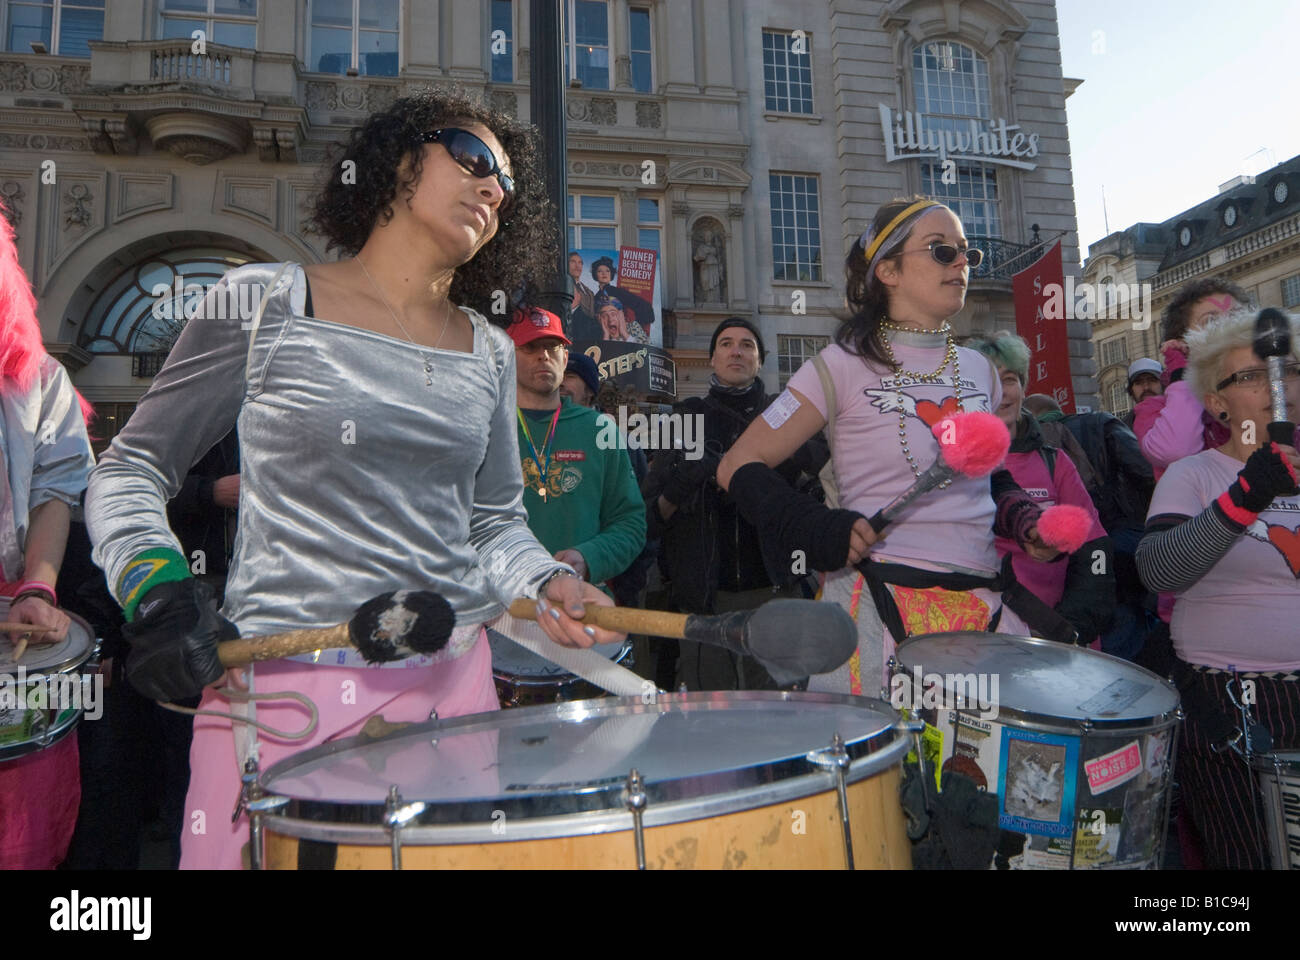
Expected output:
(174, 639)
(1266, 475)
(790, 520)
(687, 476)
(1017, 513)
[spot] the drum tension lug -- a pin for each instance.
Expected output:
(397, 814)
(836, 757)
(634, 796)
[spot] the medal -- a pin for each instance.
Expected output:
(543, 460)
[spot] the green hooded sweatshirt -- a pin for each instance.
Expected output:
(592, 503)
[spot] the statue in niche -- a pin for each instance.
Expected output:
(709, 253)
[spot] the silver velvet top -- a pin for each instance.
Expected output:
(356, 476)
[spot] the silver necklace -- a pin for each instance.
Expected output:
(446, 322)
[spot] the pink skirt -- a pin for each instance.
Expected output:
(346, 697)
(39, 797)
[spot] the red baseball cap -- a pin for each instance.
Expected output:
(533, 323)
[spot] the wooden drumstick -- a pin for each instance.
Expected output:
(27, 629)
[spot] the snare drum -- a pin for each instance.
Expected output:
(524, 679)
(1278, 775)
(1078, 745)
(706, 780)
(44, 694)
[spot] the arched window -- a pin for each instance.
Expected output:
(951, 84)
(139, 311)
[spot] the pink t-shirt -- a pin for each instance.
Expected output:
(952, 527)
(1046, 581)
(1244, 613)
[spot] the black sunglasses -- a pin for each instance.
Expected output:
(946, 254)
(475, 157)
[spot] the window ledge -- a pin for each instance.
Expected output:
(802, 283)
(774, 115)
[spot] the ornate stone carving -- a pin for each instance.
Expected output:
(628, 170)
(11, 192)
(623, 71)
(110, 135)
(76, 206)
(276, 144)
(604, 111)
(197, 137)
(681, 210)
(13, 77)
(648, 114)
(42, 78)
(709, 259)
(604, 169)
(504, 101)
(380, 98)
(577, 108)
(73, 78)
(735, 211)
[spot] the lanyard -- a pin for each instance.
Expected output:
(542, 467)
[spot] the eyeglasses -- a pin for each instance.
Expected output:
(946, 254)
(1258, 376)
(475, 157)
(554, 349)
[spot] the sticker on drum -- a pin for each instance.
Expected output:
(729, 779)
(1077, 744)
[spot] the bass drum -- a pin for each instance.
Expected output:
(523, 679)
(1078, 745)
(692, 780)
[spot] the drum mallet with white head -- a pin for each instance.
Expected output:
(1273, 344)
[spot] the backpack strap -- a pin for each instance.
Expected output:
(830, 486)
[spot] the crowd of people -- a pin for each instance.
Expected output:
(295, 452)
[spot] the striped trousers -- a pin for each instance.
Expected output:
(1218, 789)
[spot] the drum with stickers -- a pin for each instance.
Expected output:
(675, 781)
(523, 679)
(1278, 775)
(44, 694)
(1078, 745)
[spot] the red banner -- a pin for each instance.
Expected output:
(1049, 345)
(636, 271)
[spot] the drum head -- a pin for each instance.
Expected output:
(67, 654)
(576, 756)
(510, 659)
(1042, 677)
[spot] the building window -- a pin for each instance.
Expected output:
(951, 84)
(66, 28)
(647, 223)
(639, 31)
(593, 222)
(1291, 291)
(353, 35)
(110, 418)
(586, 54)
(232, 22)
(1119, 399)
(796, 227)
(791, 352)
(1113, 351)
(787, 76)
(501, 46)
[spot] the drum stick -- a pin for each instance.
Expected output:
(20, 645)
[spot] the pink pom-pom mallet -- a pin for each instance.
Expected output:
(971, 444)
(1064, 527)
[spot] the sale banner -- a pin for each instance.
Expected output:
(1049, 347)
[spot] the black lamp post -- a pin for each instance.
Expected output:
(547, 97)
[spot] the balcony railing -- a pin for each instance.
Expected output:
(1003, 258)
(180, 63)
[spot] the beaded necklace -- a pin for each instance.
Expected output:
(950, 357)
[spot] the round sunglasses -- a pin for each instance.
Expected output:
(946, 254)
(475, 157)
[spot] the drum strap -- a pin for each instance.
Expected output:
(588, 664)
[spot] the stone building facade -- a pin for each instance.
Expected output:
(127, 158)
(1248, 233)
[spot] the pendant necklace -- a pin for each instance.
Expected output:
(543, 460)
(950, 357)
(446, 322)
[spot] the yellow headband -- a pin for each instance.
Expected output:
(880, 238)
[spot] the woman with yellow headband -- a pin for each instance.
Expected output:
(893, 372)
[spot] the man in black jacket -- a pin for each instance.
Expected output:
(712, 557)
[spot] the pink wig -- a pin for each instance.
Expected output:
(21, 348)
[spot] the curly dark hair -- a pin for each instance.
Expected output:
(525, 250)
(1176, 313)
(867, 297)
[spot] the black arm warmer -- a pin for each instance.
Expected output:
(1173, 558)
(1089, 598)
(1016, 512)
(789, 520)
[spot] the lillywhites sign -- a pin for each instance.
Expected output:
(913, 136)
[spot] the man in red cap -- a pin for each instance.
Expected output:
(582, 499)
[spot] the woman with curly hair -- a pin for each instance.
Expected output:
(376, 415)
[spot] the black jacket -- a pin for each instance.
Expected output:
(707, 545)
(1126, 479)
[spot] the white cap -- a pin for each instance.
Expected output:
(1144, 365)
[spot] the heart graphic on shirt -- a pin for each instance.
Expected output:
(931, 413)
(1285, 540)
(1288, 542)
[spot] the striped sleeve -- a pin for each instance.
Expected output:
(1176, 551)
